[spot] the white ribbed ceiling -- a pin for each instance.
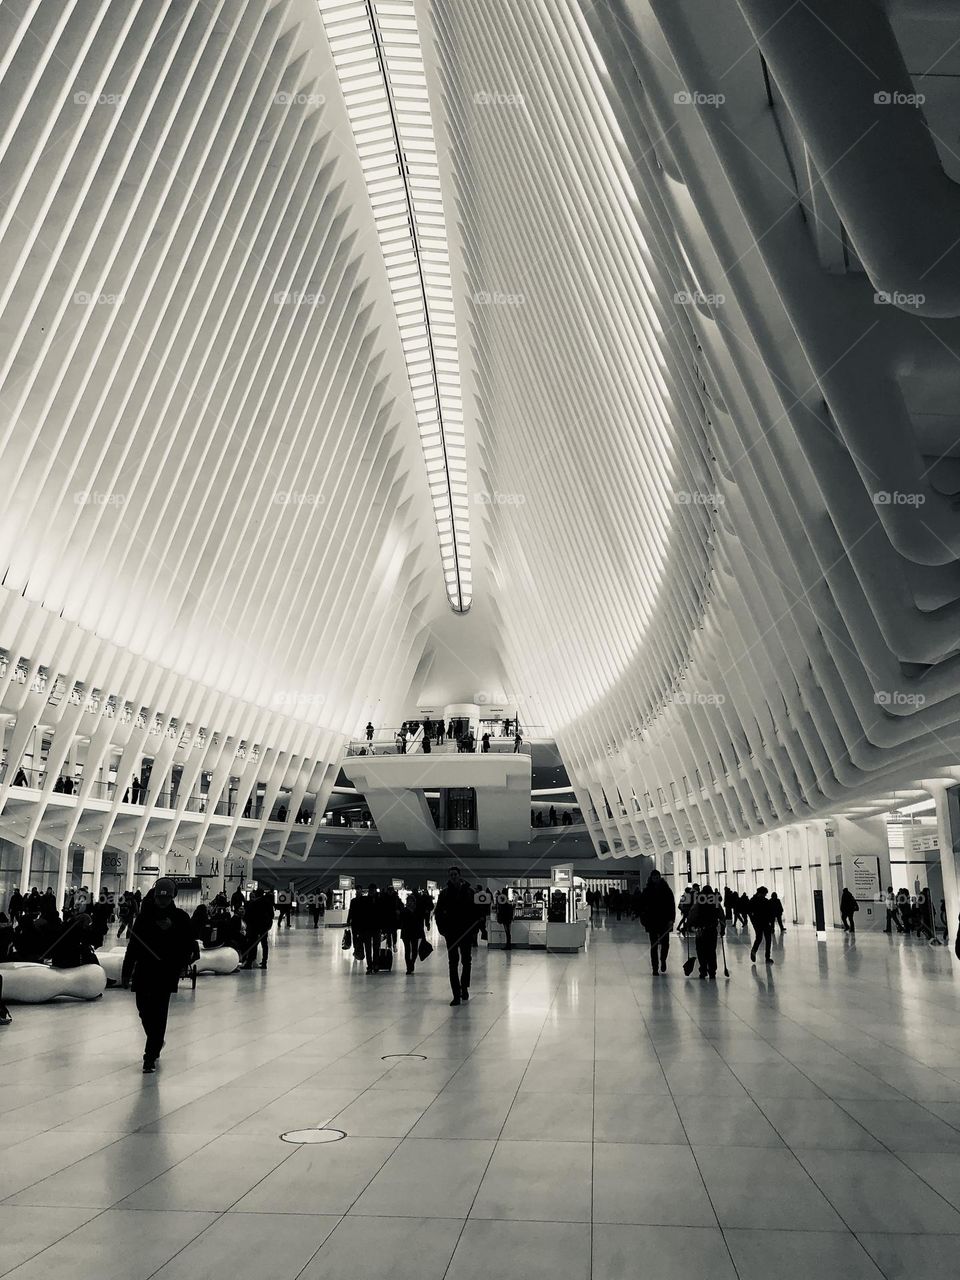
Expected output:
(639, 323)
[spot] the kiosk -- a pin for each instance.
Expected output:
(340, 899)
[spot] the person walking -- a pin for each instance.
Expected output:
(777, 906)
(389, 907)
(318, 907)
(485, 743)
(658, 911)
(893, 914)
(411, 930)
(707, 921)
(687, 899)
(848, 909)
(259, 922)
(505, 917)
(517, 742)
(456, 917)
(365, 919)
(761, 914)
(160, 947)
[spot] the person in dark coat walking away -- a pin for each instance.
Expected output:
(848, 908)
(658, 911)
(364, 919)
(761, 913)
(411, 930)
(456, 917)
(161, 945)
(777, 911)
(707, 921)
(259, 922)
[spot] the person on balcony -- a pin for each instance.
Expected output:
(369, 730)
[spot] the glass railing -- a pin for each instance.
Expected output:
(393, 742)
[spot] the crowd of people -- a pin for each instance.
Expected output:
(429, 733)
(378, 919)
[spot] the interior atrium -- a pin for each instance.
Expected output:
(480, 478)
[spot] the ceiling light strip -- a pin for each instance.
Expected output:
(377, 55)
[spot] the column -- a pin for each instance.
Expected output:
(26, 857)
(947, 801)
(64, 853)
(818, 848)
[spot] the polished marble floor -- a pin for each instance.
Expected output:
(578, 1118)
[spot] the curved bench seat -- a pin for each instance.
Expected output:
(216, 960)
(25, 982)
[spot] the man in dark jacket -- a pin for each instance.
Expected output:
(161, 946)
(708, 923)
(658, 911)
(259, 922)
(364, 919)
(762, 914)
(457, 922)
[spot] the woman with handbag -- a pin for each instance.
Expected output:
(411, 930)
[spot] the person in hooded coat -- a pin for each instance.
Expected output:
(658, 911)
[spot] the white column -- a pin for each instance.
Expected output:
(819, 854)
(97, 873)
(25, 859)
(64, 853)
(948, 837)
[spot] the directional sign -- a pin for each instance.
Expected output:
(861, 875)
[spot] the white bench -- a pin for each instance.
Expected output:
(26, 982)
(214, 960)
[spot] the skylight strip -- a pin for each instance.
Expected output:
(378, 58)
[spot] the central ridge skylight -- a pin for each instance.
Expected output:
(377, 54)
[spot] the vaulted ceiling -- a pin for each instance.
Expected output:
(606, 355)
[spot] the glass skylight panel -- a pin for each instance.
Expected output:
(377, 54)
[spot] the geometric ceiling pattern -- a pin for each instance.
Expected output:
(647, 310)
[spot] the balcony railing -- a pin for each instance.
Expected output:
(387, 742)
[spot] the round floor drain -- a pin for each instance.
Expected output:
(312, 1135)
(422, 1056)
